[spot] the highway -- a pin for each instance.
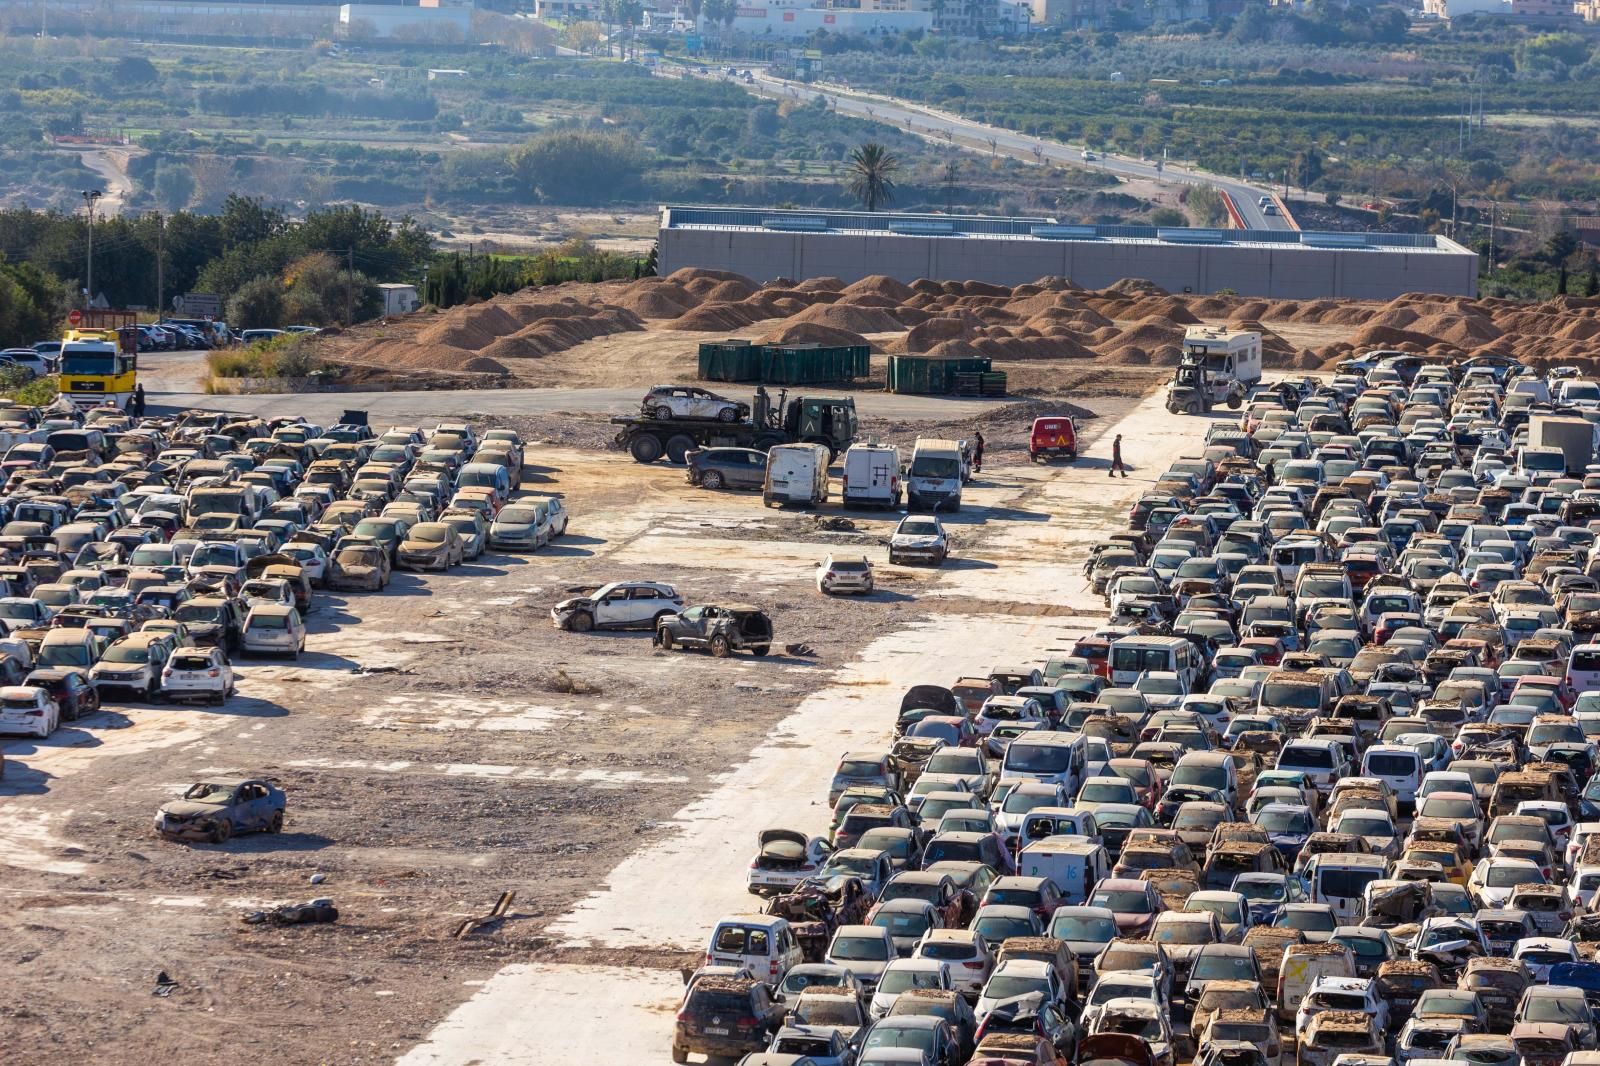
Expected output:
(948, 128)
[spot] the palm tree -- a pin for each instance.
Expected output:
(870, 168)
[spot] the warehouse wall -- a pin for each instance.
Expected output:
(1287, 271)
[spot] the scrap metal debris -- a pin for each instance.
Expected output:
(488, 922)
(165, 985)
(310, 912)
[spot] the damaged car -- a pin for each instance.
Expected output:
(720, 629)
(784, 858)
(618, 605)
(215, 810)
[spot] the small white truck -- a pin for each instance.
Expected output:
(796, 473)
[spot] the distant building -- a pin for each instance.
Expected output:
(452, 25)
(399, 299)
(1588, 10)
(789, 18)
(444, 73)
(568, 10)
(1544, 10)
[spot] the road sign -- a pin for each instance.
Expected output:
(74, 317)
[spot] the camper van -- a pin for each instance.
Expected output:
(796, 473)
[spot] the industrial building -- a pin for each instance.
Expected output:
(1288, 264)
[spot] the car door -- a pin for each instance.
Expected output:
(697, 404)
(612, 609)
(558, 519)
(743, 471)
(643, 604)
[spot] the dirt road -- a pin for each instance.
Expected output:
(606, 989)
(441, 743)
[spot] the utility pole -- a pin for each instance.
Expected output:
(349, 286)
(89, 197)
(1494, 217)
(161, 265)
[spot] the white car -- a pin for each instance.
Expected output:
(133, 664)
(618, 605)
(312, 559)
(919, 538)
(273, 629)
(965, 952)
(197, 673)
(28, 711)
(1342, 994)
(1493, 880)
(844, 573)
(1019, 977)
(902, 975)
(784, 858)
(687, 401)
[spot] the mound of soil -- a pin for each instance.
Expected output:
(1044, 303)
(958, 349)
(1250, 309)
(927, 287)
(1131, 355)
(928, 335)
(528, 313)
(812, 333)
(485, 365)
(881, 285)
(727, 292)
(1212, 306)
(868, 299)
(853, 319)
(684, 275)
(984, 288)
(1469, 330)
(1153, 332)
(1374, 335)
(650, 302)
(825, 284)
(1137, 287)
(716, 318)
(1394, 318)
(1168, 307)
(1166, 355)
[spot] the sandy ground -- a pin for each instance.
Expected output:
(606, 981)
(442, 743)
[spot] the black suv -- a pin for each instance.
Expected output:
(724, 1016)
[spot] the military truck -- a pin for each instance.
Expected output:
(1219, 365)
(826, 420)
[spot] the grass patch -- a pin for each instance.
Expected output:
(291, 357)
(37, 392)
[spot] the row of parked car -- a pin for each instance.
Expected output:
(1307, 792)
(142, 556)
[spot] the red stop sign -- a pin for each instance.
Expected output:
(74, 317)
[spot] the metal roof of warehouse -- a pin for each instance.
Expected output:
(994, 227)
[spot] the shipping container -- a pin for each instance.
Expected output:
(931, 375)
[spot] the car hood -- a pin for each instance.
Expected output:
(189, 808)
(574, 603)
(909, 540)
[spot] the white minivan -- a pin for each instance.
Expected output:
(796, 473)
(1400, 767)
(1583, 668)
(1049, 757)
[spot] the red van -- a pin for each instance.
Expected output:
(1053, 436)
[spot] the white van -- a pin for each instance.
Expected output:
(1073, 864)
(871, 476)
(933, 481)
(759, 941)
(1400, 767)
(1291, 553)
(1042, 823)
(1051, 758)
(1132, 657)
(796, 473)
(1583, 668)
(1340, 879)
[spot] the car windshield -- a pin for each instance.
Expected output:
(1285, 821)
(828, 1010)
(190, 662)
(126, 653)
(1447, 807)
(1123, 901)
(1508, 875)
(1003, 986)
(1182, 933)
(1266, 891)
(269, 621)
(206, 792)
(919, 527)
(1094, 929)
(994, 928)
(1568, 1010)
(860, 949)
(1215, 966)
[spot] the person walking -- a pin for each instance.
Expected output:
(1117, 466)
(977, 452)
(137, 404)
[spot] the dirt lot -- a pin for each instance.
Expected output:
(440, 743)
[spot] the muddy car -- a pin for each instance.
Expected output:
(359, 567)
(215, 810)
(719, 629)
(618, 605)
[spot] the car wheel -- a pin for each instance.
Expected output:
(221, 830)
(276, 825)
(711, 479)
(664, 638)
(679, 1054)
(664, 413)
(582, 622)
(760, 650)
(719, 647)
(728, 414)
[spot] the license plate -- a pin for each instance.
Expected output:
(715, 1032)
